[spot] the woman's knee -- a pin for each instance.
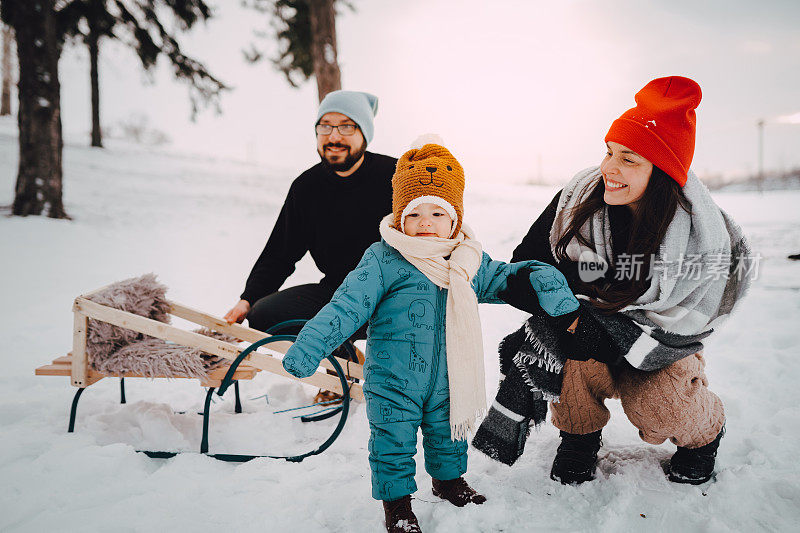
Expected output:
(585, 385)
(672, 403)
(587, 378)
(673, 384)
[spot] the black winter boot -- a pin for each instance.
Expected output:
(576, 458)
(694, 465)
(399, 516)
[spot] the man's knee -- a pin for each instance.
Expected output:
(299, 302)
(264, 314)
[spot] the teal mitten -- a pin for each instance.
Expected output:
(299, 367)
(552, 289)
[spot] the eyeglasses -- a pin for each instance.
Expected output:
(344, 129)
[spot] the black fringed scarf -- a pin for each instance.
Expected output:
(531, 366)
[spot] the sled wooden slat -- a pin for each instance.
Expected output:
(156, 329)
(62, 367)
(319, 379)
(79, 372)
(252, 335)
(221, 325)
(54, 369)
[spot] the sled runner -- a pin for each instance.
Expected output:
(231, 363)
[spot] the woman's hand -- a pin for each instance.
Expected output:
(238, 313)
(519, 293)
(581, 336)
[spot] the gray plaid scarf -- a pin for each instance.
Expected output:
(702, 270)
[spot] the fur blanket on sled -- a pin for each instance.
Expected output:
(117, 351)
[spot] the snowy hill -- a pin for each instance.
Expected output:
(199, 224)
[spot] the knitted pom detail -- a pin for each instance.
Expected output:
(426, 138)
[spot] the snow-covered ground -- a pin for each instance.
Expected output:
(199, 224)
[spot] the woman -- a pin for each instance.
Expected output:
(656, 264)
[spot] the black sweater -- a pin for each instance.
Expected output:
(590, 339)
(334, 218)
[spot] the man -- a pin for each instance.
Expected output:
(332, 210)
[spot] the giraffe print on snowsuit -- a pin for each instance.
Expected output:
(416, 363)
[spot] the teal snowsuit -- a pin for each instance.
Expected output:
(405, 374)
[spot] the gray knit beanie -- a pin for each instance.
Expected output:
(360, 107)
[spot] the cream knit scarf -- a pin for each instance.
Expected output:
(463, 326)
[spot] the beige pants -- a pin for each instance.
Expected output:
(671, 403)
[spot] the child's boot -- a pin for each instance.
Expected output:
(457, 492)
(399, 516)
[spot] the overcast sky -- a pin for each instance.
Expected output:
(517, 89)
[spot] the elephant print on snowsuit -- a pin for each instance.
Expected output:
(421, 313)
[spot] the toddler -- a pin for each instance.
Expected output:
(419, 288)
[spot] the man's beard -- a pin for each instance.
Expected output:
(350, 159)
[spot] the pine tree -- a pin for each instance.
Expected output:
(39, 44)
(306, 33)
(5, 98)
(141, 24)
(41, 28)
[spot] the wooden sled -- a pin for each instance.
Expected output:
(243, 365)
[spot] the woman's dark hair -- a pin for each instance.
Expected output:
(651, 217)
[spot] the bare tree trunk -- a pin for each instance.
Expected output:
(93, 42)
(323, 47)
(5, 99)
(38, 189)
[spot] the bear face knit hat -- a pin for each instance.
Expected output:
(360, 107)
(661, 128)
(429, 174)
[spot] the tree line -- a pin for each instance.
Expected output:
(40, 29)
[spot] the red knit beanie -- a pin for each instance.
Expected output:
(661, 127)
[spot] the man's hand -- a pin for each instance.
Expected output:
(238, 313)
